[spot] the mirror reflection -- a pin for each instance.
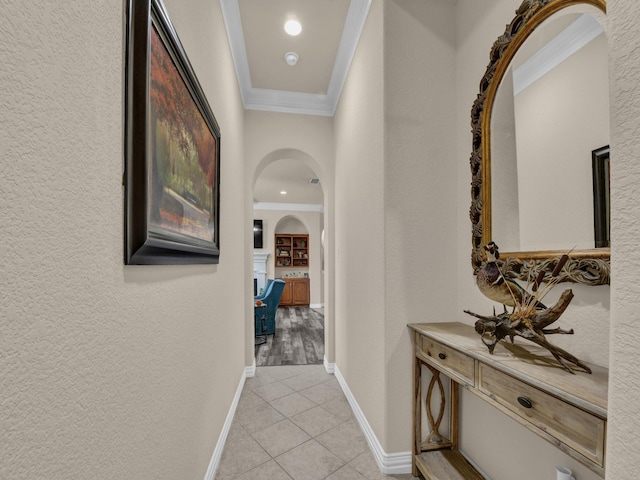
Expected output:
(551, 111)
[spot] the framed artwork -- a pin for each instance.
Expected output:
(172, 148)
(601, 205)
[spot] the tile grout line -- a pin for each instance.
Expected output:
(285, 463)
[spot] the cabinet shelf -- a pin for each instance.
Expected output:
(291, 250)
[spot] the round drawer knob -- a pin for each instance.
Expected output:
(442, 356)
(525, 402)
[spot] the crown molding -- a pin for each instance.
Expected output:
(294, 102)
(296, 207)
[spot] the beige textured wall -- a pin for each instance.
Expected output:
(419, 169)
(106, 371)
(270, 136)
(360, 247)
(394, 163)
(623, 460)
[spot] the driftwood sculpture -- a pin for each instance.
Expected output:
(530, 319)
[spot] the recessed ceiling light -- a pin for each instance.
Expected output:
(283, 192)
(292, 27)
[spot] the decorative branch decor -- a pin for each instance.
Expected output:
(530, 319)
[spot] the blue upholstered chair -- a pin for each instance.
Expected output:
(271, 300)
(265, 289)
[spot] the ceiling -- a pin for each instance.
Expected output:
(291, 176)
(330, 33)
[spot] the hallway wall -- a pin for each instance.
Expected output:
(106, 371)
(395, 144)
(360, 226)
(424, 194)
(623, 441)
(420, 168)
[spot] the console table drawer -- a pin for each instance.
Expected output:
(449, 360)
(578, 429)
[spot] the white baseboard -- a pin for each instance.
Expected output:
(214, 463)
(329, 367)
(389, 463)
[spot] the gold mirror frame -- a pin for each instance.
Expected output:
(592, 266)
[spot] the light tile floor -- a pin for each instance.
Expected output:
(294, 423)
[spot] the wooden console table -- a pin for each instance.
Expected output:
(523, 381)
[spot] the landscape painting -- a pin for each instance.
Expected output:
(184, 149)
(173, 149)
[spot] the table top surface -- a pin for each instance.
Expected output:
(527, 362)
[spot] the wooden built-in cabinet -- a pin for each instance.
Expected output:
(295, 293)
(291, 250)
(523, 381)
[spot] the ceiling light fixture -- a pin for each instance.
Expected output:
(283, 192)
(291, 58)
(292, 27)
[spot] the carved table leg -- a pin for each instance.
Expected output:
(434, 436)
(454, 413)
(417, 414)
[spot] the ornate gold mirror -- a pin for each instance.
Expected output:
(532, 188)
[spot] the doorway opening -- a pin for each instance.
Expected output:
(289, 205)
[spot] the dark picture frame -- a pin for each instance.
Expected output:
(601, 199)
(172, 148)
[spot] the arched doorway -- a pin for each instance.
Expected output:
(297, 214)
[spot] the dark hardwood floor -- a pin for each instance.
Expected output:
(299, 339)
